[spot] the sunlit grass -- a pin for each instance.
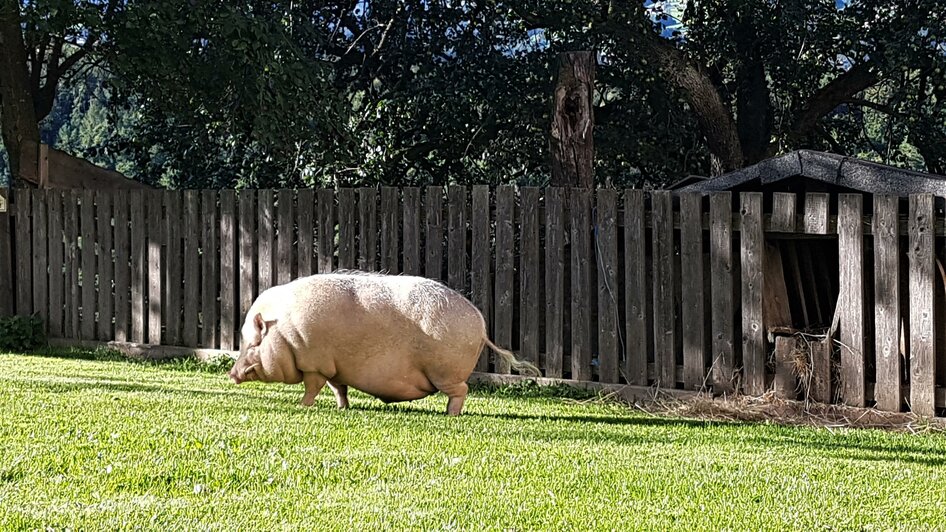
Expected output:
(94, 444)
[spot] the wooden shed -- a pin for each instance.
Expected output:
(805, 270)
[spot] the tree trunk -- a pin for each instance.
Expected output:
(571, 137)
(20, 129)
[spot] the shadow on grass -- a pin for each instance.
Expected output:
(109, 355)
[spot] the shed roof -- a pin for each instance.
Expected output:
(837, 170)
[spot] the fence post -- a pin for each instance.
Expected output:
(6, 258)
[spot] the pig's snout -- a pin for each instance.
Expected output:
(236, 376)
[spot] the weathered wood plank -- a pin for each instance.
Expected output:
(73, 260)
(887, 390)
(347, 229)
(105, 266)
(39, 259)
(209, 269)
(229, 277)
(246, 265)
(284, 237)
(481, 255)
(721, 274)
(305, 243)
(87, 222)
(555, 267)
(752, 245)
(411, 230)
(851, 276)
(505, 272)
(776, 309)
(390, 210)
(433, 234)
(368, 229)
(693, 313)
(816, 213)
(582, 295)
(783, 212)
(23, 248)
(139, 265)
(609, 319)
(635, 288)
(265, 236)
(664, 319)
(784, 384)
(456, 238)
(326, 243)
(174, 282)
(922, 290)
(122, 266)
(191, 260)
(530, 276)
(820, 390)
(55, 257)
(155, 229)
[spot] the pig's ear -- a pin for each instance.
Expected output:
(263, 326)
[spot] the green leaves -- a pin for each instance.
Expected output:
(21, 333)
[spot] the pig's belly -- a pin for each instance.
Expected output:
(387, 379)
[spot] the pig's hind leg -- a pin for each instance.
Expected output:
(313, 383)
(456, 394)
(341, 394)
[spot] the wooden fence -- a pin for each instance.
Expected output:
(607, 285)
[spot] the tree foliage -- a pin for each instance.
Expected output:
(252, 93)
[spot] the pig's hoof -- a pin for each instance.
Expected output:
(307, 401)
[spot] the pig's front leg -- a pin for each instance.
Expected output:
(313, 383)
(341, 394)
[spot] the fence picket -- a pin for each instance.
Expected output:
(175, 274)
(368, 229)
(922, 290)
(71, 229)
(851, 253)
(887, 392)
(480, 250)
(284, 238)
(87, 277)
(411, 230)
(555, 267)
(456, 238)
(582, 295)
(505, 273)
(155, 230)
(122, 267)
(191, 260)
(139, 265)
(55, 236)
(816, 213)
(721, 273)
(530, 276)
(305, 243)
(752, 244)
(783, 212)
(664, 322)
(23, 249)
(433, 234)
(635, 286)
(609, 342)
(228, 269)
(390, 209)
(326, 244)
(247, 255)
(39, 262)
(265, 235)
(209, 265)
(693, 314)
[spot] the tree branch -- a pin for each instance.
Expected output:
(844, 87)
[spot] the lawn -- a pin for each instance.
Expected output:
(93, 444)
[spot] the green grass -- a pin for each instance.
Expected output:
(93, 444)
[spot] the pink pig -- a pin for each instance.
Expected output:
(398, 338)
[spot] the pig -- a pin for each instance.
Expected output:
(397, 338)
